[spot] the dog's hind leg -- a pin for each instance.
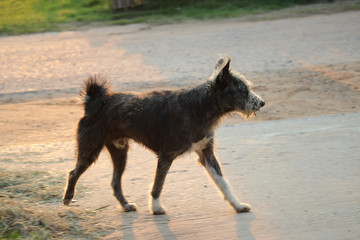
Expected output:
(208, 160)
(84, 160)
(90, 143)
(162, 169)
(118, 151)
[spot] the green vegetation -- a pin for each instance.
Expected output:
(27, 16)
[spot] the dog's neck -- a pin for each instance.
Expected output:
(203, 100)
(214, 91)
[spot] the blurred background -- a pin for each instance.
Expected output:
(17, 17)
(296, 163)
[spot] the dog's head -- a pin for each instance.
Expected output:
(233, 91)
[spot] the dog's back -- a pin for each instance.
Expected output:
(166, 121)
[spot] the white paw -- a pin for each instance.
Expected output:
(156, 207)
(129, 207)
(242, 207)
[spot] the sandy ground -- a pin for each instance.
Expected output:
(293, 93)
(303, 67)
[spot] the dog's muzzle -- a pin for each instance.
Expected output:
(256, 101)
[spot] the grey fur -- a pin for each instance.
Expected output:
(169, 123)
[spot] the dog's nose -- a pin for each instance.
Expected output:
(262, 103)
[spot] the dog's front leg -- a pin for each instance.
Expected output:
(118, 151)
(162, 169)
(212, 166)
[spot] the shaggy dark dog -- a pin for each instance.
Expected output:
(169, 123)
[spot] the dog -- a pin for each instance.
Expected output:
(169, 123)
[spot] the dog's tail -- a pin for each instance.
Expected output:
(95, 94)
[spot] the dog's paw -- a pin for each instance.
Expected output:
(159, 211)
(129, 207)
(67, 201)
(157, 208)
(242, 207)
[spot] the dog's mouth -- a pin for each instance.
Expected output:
(257, 108)
(252, 108)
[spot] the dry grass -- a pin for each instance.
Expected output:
(30, 208)
(33, 186)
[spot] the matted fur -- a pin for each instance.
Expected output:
(169, 123)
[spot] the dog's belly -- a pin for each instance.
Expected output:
(171, 147)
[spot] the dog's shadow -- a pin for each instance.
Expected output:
(162, 223)
(242, 221)
(243, 225)
(129, 230)
(128, 221)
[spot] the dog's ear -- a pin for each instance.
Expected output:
(223, 69)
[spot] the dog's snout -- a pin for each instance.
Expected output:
(262, 103)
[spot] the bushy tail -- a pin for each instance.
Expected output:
(95, 94)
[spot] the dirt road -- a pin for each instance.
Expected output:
(303, 67)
